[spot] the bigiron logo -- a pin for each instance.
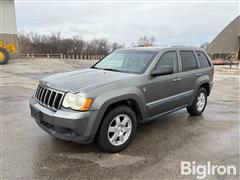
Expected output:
(208, 169)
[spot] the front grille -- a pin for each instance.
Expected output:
(49, 98)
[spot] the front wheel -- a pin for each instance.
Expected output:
(117, 129)
(4, 56)
(199, 103)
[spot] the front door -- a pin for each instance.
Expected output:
(161, 91)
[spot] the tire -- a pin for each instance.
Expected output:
(4, 56)
(198, 107)
(109, 130)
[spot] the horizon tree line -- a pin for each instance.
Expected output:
(34, 43)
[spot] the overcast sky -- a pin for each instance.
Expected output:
(170, 22)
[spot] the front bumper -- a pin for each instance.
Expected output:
(66, 125)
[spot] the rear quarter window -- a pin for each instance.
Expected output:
(203, 60)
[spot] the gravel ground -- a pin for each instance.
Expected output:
(156, 152)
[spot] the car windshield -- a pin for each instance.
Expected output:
(126, 61)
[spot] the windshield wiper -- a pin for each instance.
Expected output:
(109, 69)
(93, 67)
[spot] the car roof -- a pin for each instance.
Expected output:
(158, 49)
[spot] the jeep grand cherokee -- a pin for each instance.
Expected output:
(129, 86)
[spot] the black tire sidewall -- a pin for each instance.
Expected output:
(102, 137)
(6, 56)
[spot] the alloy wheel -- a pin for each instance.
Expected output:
(119, 129)
(201, 101)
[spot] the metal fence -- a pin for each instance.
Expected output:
(62, 56)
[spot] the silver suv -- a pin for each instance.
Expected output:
(129, 86)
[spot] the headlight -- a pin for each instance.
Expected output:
(77, 101)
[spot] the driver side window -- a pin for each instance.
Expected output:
(169, 59)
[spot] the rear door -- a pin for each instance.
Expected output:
(189, 73)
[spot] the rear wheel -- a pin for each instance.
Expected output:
(4, 56)
(199, 103)
(117, 129)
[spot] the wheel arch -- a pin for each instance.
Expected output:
(132, 103)
(6, 56)
(203, 81)
(127, 100)
(206, 86)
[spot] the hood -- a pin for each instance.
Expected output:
(83, 80)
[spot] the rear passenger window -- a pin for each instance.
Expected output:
(202, 58)
(188, 60)
(168, 59)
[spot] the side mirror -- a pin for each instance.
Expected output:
(162, 70)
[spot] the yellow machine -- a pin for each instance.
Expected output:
(5, 50)
(8, 31)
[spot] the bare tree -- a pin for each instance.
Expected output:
(145, 41)
(204, 45)
(54, 43)
(116, 45)
(97, 46)
(152, 40)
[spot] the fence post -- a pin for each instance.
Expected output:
(32, 56)
(77, 56)
(61, 56)
(47, 56)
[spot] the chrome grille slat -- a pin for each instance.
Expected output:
(42, 95)
(54, 101)
(37, 91)
(45, 97)
(49, 98)
(61, 100)
(40, 92)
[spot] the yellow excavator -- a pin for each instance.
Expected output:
(5, 50)
(8, 31)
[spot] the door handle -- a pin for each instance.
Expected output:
(198, 74)
(177, 79)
